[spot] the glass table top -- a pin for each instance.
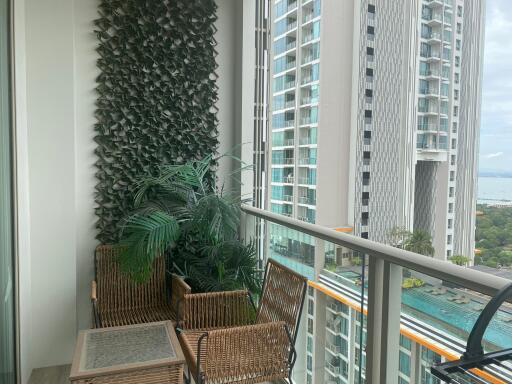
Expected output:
(132, 345)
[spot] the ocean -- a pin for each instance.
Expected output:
(494, 190)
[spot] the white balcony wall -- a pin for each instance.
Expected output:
(55, 81)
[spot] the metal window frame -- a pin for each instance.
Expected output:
(14, 188)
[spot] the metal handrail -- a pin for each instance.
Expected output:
(472, 279)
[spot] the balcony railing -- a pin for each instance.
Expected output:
(381, 296)
(306, 181)
(307, 120)
(333, 348)
(289, 104)
(289, 84)
(291, 26)
(289, 123)
(428, 127)
(306, 200)
(307, 161)
(307, 141)
(291, 45)
(283, 161)
(306, 79)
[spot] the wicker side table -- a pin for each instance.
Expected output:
(144, 353)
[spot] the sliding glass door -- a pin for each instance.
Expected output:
(7, 286)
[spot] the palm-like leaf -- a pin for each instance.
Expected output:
(144, 238)
(420, 242)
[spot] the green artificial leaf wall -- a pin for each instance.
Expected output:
(156, 96)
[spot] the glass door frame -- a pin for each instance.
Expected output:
(13, 187)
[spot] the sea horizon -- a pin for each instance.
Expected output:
(494, 189)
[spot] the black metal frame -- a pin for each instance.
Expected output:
(474, 356)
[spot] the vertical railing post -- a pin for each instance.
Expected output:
(383, 325)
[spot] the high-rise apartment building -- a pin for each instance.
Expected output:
(368, 105)
(374, 124)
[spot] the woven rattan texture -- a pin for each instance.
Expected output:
(230, 350)
(121, 301)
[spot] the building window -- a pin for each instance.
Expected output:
(371, 8)
(454, 143)
(457, 61)
(448, 253)
(310, 363)
(370, 30)
(451, 192)
(455, 111)
(405, 342)
(452, 162)
(311, 307)
(364, 235)
(364, 218)
(456, 94)
(457, 44)
(456, 78)
(310, 326)
(450, 208)
(459, 28)
(365, 198)
(450, 223)
(452, 175)
(404, 364)
(459, 10)
(454, 127)
(449, 240)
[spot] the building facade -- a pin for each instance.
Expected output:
(374, 123)
(367, 109)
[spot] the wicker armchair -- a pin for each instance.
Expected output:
(226, 340)
(116, 300)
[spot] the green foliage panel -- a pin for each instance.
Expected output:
(156, 95)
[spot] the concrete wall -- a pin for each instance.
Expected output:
(51, 161)
(335, 113)
(55, 80)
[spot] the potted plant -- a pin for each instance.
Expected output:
(181, 214)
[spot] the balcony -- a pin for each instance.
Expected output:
(307, 141)
(56, 254)
(307, 161)
(283, 161)
(434, 38)
(305, 200)
(435, 3)
(307, 180)
(428, 127)
(436, 19)
(307, 120)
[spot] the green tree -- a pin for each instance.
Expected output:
(420, 242)
(459, 260)
(397, 236)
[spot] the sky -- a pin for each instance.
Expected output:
(496, 128)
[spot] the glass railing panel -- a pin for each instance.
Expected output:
(436, 320)
(332, 336)
(434, 323)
